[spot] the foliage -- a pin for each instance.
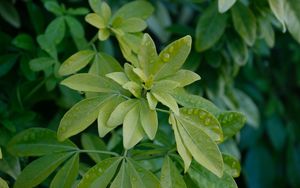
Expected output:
(64, 98)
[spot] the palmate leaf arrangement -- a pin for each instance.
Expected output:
(131, 96)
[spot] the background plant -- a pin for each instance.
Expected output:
(34, 98)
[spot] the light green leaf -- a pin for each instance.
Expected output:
(95, 5)
(203, 149)
(170, 176)
(164, 86)
(134, 88)
(210, 28)
(172, 57)
(231, 123)
(132, 25)
(147, 54)
(267, 31)
(41, 63)
(244, 22)
(119, 77)
(47, 45)
(231, 165)
(182, 150)
(122, 179)
(117, 116)
(167, 100)
(132, 128)
(277, 7)
(152, 102)
(90, 83)
(104, 114)
(105, 11)
(104, 64)
(37, 142)
(92, 142)
(203, 120)
(55, 31)
(3, 183)
(238, 50)
(194, 101)
(37, 171)
(10, 13)
(204, 178)
(54, 8)
(184, 77)
(95, 20)
(67, 175)
(80, 116)
(101, 174)
(136, 9)
(76, 62)
(1, 153)
(140, 73)
(140, 177)
(148, 119)
(128, 69)
(292, 18)
(103, 34)
(224, 5)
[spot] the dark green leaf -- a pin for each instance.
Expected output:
(55, 31)
(142, 9)
(10, 165)
(41, 63)
(54, 7)
(24, 41)
(9, 13)
(6, 63)
(122, 179)
(47, 45)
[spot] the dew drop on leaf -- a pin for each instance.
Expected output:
(166, 57)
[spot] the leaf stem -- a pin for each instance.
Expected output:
(36, 88)
(99, 151)
(91, 42)
(162, 110)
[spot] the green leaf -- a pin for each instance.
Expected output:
(10, 13)
(194, 101)
(104, 64)
(203, 149)
(67, 175)
(77, 11)
(210, 28)
(119, 77)
(77, 32)
(37, 171)
(105, 11)
(203, 120)
(164, 86)
(117, 116)
(7, 63)
(80, 116)
(132, 25)
(142, 9)
(37, 142)
(24, 41)
(238, 50)
(292, 18)
(147, 54)
(172, 57)
(267, 31)
(55, 31)
(95, 5)
(204, 178)
(10, 164)
(76, 62)
(224, 5)
(140, 177)
(231, 123)
(90, 83)
(1, 153)
(132, 128)
(104, 114)
(167, 100)
(41, 63)
(152, 102)
(128, 69)
(134, 88)
(95, 20)
(92, 142)
(101, 174)
(170, 176)
(122, 179)
(148, 119)
(54, 7)
(231, 165)
(181, 148)
(244, 22)
(277, 7)
(103, 34)
(184, 77)
(3, 183)
(47, 45)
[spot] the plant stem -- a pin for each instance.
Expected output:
(93, 40)
(99, 151)
(37, 87)
(162, 110)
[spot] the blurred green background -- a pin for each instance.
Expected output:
(256, 71)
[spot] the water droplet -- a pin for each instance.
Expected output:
(166, 57)
(100, 170)
(202, 115)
